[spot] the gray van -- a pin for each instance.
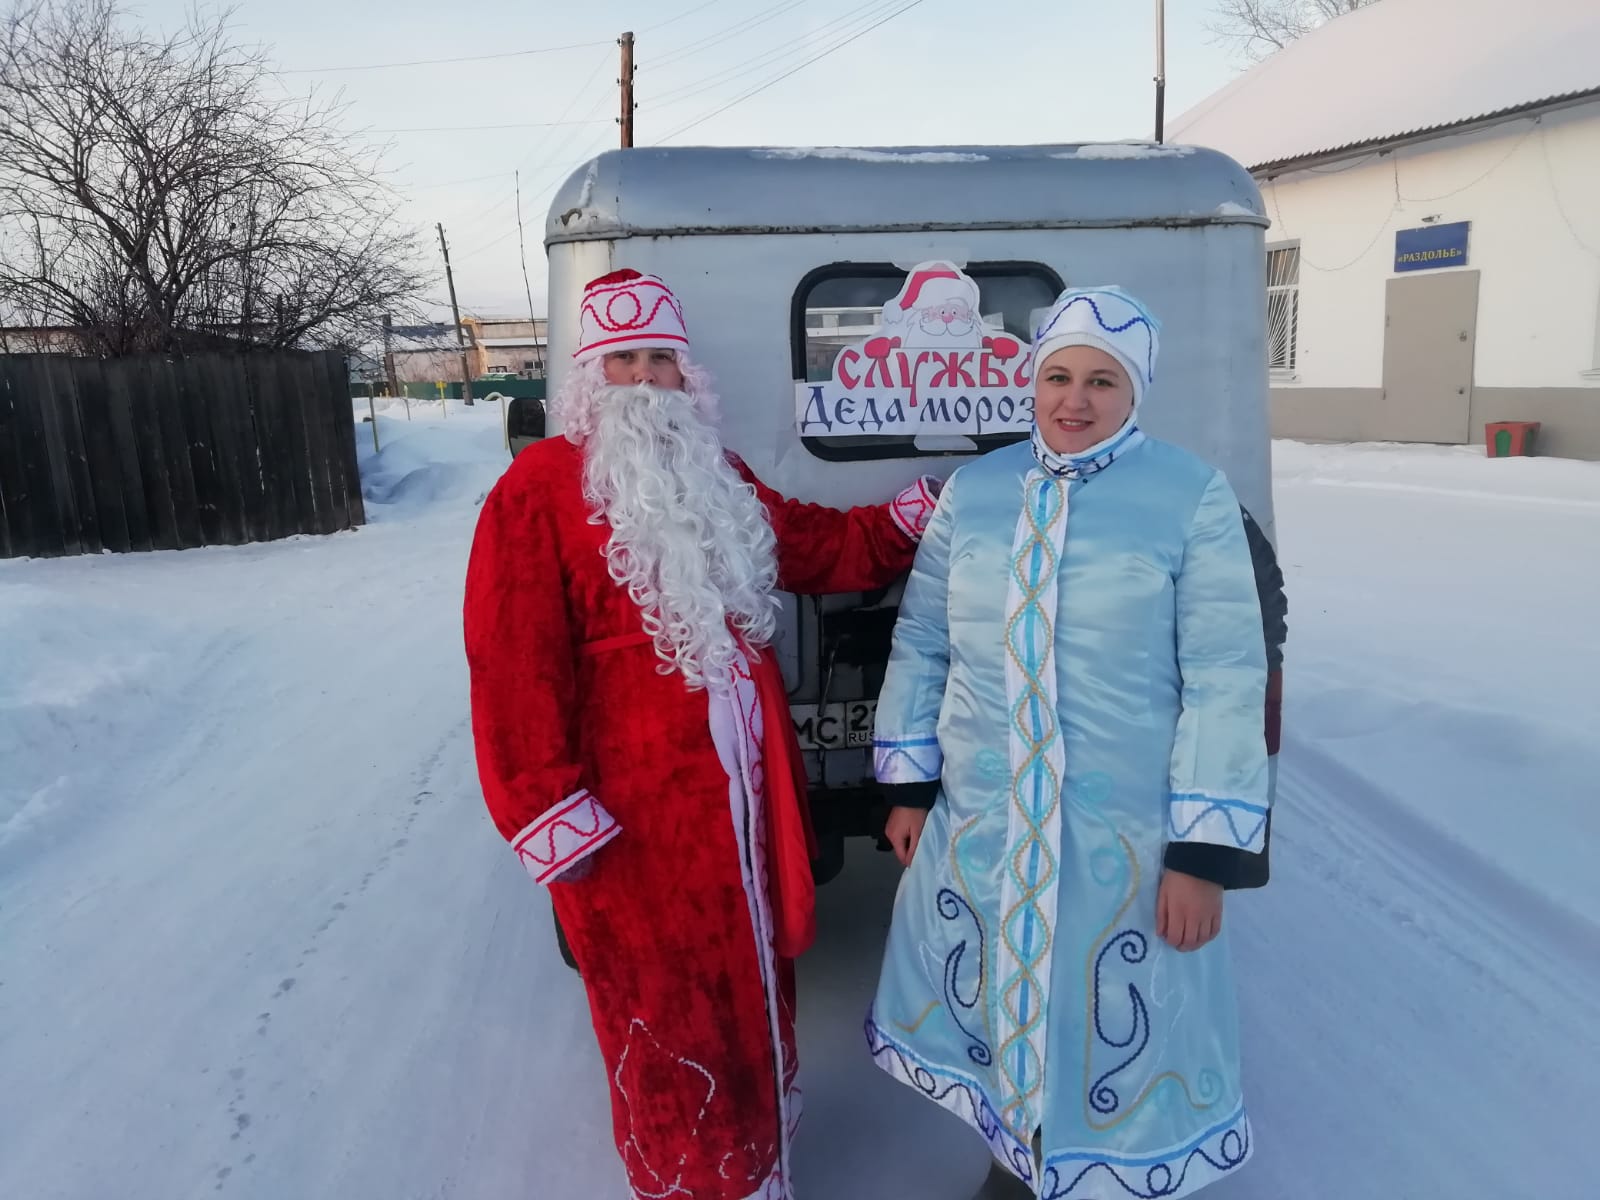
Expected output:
(784, 256)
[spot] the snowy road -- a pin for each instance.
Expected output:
(258, 939)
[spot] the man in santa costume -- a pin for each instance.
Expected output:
(634, 741)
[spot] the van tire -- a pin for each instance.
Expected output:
(561, 942)
(830, 857)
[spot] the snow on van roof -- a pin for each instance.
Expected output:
(679, 190)
(1126, 150)
(861, 154)
(1396, 69)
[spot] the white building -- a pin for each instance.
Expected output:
(1432, 172)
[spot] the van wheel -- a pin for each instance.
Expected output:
(830, 857)
(561, 942)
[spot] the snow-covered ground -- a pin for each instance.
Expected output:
(258, 938)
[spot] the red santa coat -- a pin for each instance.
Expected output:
(582, 744)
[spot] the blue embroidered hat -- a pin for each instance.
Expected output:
(1108, 319)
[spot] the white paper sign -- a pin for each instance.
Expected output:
(934, 366)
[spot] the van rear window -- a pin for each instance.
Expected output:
(838, 305)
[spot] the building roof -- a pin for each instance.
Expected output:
(1397, 69)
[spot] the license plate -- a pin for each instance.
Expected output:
(842, 725)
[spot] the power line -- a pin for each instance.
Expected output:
(1555, 192)
(436, 62)
(733, 31)
(780, 78)
(679, 17)
(480, 128)
(789, 50)
(555, 183)
(554, 162)
(838, 45)
(788, 47)
(419, 187)
(565, 113)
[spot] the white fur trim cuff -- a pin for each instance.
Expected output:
(912, 509)
(563, 837)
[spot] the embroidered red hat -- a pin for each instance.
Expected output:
(626, 310)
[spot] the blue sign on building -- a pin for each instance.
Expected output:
(1431, 247)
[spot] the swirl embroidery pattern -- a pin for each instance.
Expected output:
(963, 1097)
(1103, 1104)
(1132, 946)
(1213, 1154)
(952, 908)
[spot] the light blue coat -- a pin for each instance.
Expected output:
(1080, 663)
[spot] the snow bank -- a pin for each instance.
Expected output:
(81, 684)
(430, 461)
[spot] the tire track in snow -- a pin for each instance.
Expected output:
(1399, 997)
(422, 788)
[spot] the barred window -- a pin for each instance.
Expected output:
(1283, 307)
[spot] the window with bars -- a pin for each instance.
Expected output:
(1283, 307)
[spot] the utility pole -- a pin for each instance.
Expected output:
(388, 355)
(461, 341)
(627, 90)
(1161, 71)
(527, 288)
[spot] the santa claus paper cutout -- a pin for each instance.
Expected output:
(934, 366)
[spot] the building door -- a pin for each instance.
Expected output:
(1430, 334)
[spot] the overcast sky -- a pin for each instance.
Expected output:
(943, 72)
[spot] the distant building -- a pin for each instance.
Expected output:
(494, 346)
(41, 339)
(425, 353)
(509, 346)
(1432, 172)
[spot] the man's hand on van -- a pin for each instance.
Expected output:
(904, 830)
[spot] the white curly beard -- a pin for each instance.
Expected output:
(690, 540)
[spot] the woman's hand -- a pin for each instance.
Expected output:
(1188, 910)
(904, 831)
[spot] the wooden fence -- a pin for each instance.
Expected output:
(155, 453)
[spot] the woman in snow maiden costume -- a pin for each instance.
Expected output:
(634, 740)
(1089, 735)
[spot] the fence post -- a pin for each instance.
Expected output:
(372, 414)
(505, 428)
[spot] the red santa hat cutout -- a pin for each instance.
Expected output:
(930, 284)
(626, 310)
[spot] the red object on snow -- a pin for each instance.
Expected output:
(1509, 439)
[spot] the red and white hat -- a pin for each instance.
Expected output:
(629, 311)
(929, 284)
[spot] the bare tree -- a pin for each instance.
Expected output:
(159, 192)
(1259, 27)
